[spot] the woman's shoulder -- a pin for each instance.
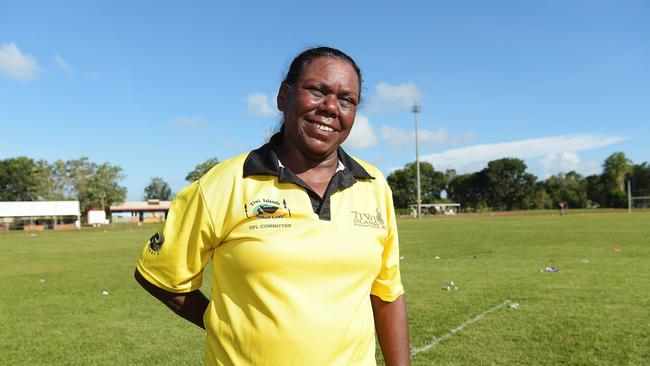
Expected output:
(225, 170)
(371, 169)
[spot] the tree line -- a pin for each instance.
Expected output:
(159, 189)
(506, 185)
(93, 185)
(503, 185)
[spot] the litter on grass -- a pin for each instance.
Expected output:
(616, 249)
(549, 269)
(105, 292)
(512, 304)
(42, 280)
(449, 286)
(401, 258)
(584, 261)
(436, 257)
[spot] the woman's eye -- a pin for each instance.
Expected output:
(346, 102)
(316, 92)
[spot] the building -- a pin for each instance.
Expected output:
(436, 208)
(39, 215)
(140, 211)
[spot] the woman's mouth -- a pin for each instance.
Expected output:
(322, 127)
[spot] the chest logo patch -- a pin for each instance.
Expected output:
(267, 209)
(365, 219)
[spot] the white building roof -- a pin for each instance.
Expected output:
(39, 208)
(150, 205)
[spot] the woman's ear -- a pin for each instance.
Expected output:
(283, 95)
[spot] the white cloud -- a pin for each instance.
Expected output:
(472, 158)
(388, 96)
(566, 162)
(570, 158)
(362, 134)
(258, 104)
(60, 62)
(17, 65)
(190, 122)
(402, 139)
(548, 162)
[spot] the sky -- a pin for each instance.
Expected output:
(158, 87)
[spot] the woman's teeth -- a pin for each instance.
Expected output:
(324, 128)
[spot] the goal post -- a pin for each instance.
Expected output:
(631, 199)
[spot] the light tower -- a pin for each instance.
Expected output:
(416, 110)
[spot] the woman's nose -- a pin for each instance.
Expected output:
(330, 104)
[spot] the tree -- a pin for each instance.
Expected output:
(100, 188)
(615, 167)
(640, 177)
(93, 185)
(570, 188)
(47, 185)
(201, 169)
(17, 180)
(508, 183)
(77, 175)
(403, 183)
(23, 179)
(595, 190)
(469, 190)
(539, 199)
(158, 189)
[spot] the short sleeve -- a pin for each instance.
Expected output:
(388, 284)
(174, 258)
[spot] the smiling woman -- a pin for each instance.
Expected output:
(298, 278)
(319, 110)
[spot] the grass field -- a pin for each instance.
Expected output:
(594, 311)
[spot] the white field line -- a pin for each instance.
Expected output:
(437, 340)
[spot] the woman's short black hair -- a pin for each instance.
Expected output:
(304, 58)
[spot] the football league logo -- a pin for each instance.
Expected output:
(156, 242)
(267, 209)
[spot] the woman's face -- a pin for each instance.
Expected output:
(319, 109)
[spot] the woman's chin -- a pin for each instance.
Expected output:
(314, 147)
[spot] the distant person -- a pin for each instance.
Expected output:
(562, 206)
(302, 238)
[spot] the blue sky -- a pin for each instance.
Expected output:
(157, 87)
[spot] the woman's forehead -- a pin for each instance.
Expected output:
(330, 68)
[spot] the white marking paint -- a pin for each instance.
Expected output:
(437, 340)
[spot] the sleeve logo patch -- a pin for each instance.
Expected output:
(156, 242)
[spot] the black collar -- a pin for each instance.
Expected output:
(264, 161)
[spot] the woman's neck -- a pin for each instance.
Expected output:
(316, 173)
(299, 163)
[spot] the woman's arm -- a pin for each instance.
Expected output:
(190, 306)
(391, 324)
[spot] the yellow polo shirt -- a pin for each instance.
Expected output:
(292, 272)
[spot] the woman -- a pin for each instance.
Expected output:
(302, 238)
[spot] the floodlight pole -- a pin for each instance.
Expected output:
(416, 110)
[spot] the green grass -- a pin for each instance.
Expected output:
(592, 313)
